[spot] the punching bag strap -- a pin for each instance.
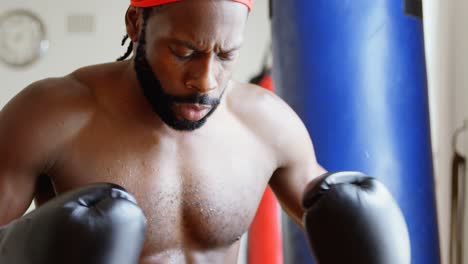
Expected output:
(414, 8)
(271, 8)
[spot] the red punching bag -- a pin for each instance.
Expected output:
(264, 241)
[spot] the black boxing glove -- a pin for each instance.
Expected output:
(353, 218)
(96, 224)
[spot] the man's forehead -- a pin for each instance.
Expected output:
(231, 46)
(150, 3)
(198, 21)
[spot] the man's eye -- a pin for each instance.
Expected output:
(182, 54)
(186, 55)
(226, 56)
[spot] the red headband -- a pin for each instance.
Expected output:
(148, 3)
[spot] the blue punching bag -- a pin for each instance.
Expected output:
(354, 70)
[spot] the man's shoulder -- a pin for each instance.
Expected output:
(253, 99)
(52, 95)
(259, 103)
(75, 91)
(42, 118)
(263, 111)
(93, 75)
(44, 114)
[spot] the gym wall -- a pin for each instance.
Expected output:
(446, 40)
(460, 84)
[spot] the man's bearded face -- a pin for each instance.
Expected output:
(164, 104)
(185, 58)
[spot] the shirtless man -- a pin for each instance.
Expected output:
(194, 147)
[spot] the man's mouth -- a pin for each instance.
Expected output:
(191, 112)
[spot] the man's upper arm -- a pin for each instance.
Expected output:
(297, 162)
(25, 148)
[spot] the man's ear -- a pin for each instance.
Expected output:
(133, 22)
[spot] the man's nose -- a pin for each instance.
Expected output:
(204, 78)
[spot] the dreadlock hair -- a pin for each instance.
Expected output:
(129, 48)
(146, 14)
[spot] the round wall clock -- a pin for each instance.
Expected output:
(22, 38)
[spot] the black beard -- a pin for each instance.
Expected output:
(161, 102)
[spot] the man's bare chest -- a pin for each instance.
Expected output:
(202, 193)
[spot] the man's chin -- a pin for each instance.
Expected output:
(184, 125)
(187, 117)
